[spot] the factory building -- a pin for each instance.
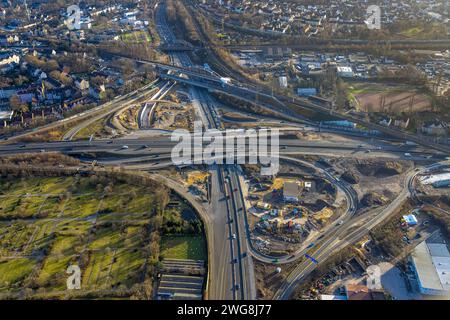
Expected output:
(344, 71)
(291, 192)
(431, 265)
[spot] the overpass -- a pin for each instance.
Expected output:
(176, 46)
(285, 106)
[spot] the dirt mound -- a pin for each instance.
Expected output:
(350, 176)
(373, 199)
(323, 186)
(379, 169)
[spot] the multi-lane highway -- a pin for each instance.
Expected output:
(146, 113)
(228, 278)
(230, 251)
(162, 146)
(287, 107)
(349, 232)
(90, 116)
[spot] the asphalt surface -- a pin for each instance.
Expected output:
(225, 280)
(162, 145)
(230, 253)
(349, 232)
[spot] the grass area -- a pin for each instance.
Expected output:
(97, 129)
(58, 227)
(428, 31)
(61, 196)
(411, 32)
(109, 227)
(368, 87)
(183, 247)
(389, 235)
(13, 271)
(136, 37)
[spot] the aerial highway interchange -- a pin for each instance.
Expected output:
(231, 254)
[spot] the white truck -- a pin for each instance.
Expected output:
(225, 81)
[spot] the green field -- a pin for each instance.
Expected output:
(97, 129)
(136, 37)
(372, 87)
(101, 224)
(183, 247)
(428, 31)
(47, 224)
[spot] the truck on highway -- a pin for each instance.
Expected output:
(225, 81)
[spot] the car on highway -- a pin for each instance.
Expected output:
(124, 147)
(233, 236)
(407, 154)
(341, 222)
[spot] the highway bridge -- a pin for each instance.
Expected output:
(230, 251)
(228, 277)
(286, 106)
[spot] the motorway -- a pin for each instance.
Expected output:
(228, 278)
(351, 231)
(161, 146)
(147, 111)
(285, 107)
(229, 184)
(230, 250)
(91, 114)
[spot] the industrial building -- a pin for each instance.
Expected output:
(306, 92)
(362, 292)
(344, 71)
(437, 180)
(291, 191)
(431, 265)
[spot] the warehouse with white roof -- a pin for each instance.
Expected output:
(435, 178)
(431, 263)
